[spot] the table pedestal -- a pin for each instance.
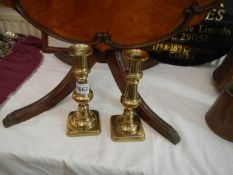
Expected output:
(67, 85)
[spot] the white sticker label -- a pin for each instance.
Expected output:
(82, 89)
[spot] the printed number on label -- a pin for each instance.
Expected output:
(82, 89)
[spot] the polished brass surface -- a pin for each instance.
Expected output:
(84, 121)
(128, 127)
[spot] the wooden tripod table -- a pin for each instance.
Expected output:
(109, 26)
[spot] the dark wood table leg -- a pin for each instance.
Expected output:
(63, 89)
(118, 69)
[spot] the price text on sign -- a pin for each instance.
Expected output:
(82, 89)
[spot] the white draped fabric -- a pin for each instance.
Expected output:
(179, 95)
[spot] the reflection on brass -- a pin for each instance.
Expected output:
(83, 121)
(128, 127)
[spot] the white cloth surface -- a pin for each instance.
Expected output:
(179, 95)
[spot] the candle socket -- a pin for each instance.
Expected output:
(128, 126)
(83, 122)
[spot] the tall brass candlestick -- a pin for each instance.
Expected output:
(82, 122)
(128, 127)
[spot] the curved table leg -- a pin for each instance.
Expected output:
(118, 68)
(63, 89)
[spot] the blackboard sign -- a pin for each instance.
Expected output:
(200, 43)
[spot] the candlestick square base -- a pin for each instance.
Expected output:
(123, 136)
(74, 130)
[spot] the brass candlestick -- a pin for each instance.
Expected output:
(82, 122)
(128, 127)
